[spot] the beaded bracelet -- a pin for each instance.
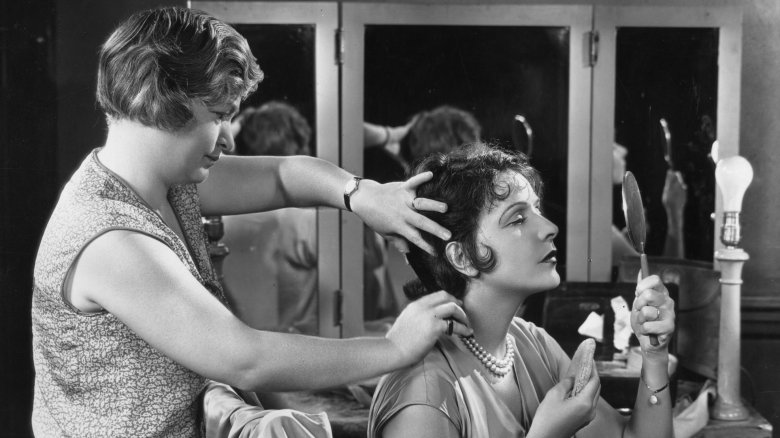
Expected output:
(652, 399)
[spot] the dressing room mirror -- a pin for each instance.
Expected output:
(665, 87)
(285, 53)
(410, 69)
(271, 273)
(666, 92)
(280, 274)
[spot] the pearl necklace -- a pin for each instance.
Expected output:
(499, 368)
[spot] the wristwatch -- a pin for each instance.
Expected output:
(350, 189)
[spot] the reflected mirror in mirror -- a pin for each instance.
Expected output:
(665, 118)
(494, 73)
(270, 274)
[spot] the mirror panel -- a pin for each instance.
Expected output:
(497, 62)
(270, 274)
(676, 63)
(370, 93)
(409, 69)
(285, 53)
(278, 275)
(669, 74)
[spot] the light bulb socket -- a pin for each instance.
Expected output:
(731, 230)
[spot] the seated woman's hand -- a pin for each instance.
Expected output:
(392, 210)
(653, 313)
(562, 415)
(423, 321)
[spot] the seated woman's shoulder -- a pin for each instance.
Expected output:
(432, 375)
(519, 323)
(523, 328)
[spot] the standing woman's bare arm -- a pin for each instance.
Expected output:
(144, 284)
(247, 184)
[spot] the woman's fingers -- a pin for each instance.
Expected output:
(649, 313)
(397, 212)
(392, 210)
(651, 297)
(653, 310)
(663, 327)
(412, 233)
(597, 395)
(425, 204)
(593, 385)
(400, 244)
(420, 222)
(591, 393)
(414, 237)
(452, 311)
(444, 306)
(417, 180)
(650, 282)
(455, 328)
(655, 321)
(592, 390)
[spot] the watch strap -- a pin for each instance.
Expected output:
(350, 189)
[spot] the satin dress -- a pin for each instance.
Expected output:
(453, 381)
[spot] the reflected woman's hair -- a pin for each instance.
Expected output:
(276, 128)
(439, 130)
(467, 180)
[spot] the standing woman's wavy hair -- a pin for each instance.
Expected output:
(156, 61)
(465, 179)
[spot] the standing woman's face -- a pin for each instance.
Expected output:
(521, 240)
(201, 143)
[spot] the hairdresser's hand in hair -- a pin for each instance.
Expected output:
(392, 210)
(562, 416)
(423, 321)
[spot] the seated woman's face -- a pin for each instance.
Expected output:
(520, 237)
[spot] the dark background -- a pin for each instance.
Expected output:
(48, 122)
(28, 178)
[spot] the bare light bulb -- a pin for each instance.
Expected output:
(733, 175)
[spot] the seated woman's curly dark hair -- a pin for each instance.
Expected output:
(466, 179)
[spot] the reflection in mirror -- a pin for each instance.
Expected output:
(270, 274)
(285, 53)
(494, 73)
(665, 118)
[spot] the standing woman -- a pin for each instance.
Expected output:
(128, 319)
(510, 379)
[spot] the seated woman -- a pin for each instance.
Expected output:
(510, 378)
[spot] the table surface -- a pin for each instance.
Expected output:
(755, 426)
(349, 418)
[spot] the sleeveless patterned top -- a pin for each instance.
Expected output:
(93, 375)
